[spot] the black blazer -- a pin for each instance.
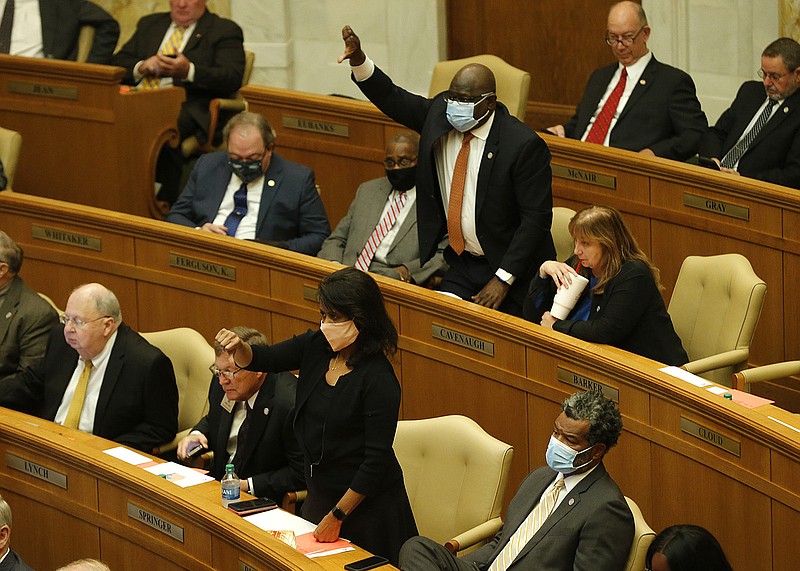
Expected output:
(774, 155)
(662, 113)
(514, 195)
(630, 314)
(61, 25)
(272, 457)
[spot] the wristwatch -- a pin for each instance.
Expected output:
(338, 513)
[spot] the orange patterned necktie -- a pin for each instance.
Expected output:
(457, 196)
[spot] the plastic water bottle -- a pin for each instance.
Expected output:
(231, 490)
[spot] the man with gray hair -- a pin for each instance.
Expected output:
(25, 318)
(567, 515)
(252, 193)
(85, 565)
(100, 376)
(9, 559)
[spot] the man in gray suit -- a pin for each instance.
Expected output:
(567, 516)
(379, 231)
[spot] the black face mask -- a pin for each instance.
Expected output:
(248, 171)
(402, 179)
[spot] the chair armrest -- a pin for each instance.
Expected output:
(765, 373)
(473, 536)
(214, 107)
(291, 499)
(726, 359)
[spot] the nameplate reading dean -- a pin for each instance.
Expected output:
(711, 436)
(458, 338)
(156, 522)
(68, 238)
(43, 90)
(315, 126)
(202, 267)
(580, 175)
(36, 470)
(587, 384)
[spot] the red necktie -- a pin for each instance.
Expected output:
(600, 127)
(377, 236)
(457, 196)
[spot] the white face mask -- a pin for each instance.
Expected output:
(561, 457)
(340, 334)
(461, 115)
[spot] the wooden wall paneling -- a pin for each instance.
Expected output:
(122, 554)
(785, 523)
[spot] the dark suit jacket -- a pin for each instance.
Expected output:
(216, 51)
(272, 456)
(61, 24)
(662, 113)
(138, 401)
(13, 562)
(345, 244)
(291, 210)
(774, 155)
(25, 323)
(591, 529)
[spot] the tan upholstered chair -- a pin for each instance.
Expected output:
(456, 475)
(85, 41)
(191, 356)
(643, 536)
(744, 378)
(715, 308)
(10, 144)
(51, 302)
(559, 229)
(513, 84)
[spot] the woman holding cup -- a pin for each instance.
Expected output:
(607, 292)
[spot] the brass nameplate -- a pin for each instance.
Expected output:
(245, 567)
(43, 90)
(156, 522)
(68, 238)
(310, 293)
(36, 470)
(468, 341)
(202, 267)
(587, 384)
(322, 127)
(589, 177)
(716, 206)
(712, 437)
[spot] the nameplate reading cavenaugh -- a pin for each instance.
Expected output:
(711, 436)
(68, 238)
(716, 206)
(202, 267)
(580, 175)
(458, 338)
(43, 90)
(315, 126)
(36, 470)
(156, 522)
(587, 384)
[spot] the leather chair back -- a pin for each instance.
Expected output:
(85, 41)
(10, 144)
(643, 536)
(559, 229)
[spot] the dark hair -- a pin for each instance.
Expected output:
(250, 119)
(689, 548)
(355, 295)
(605, 421)
(10, 253)
(246, 334)
(787, 49)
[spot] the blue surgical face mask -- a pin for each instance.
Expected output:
(561, 457)
(462, 115)
(248, 171)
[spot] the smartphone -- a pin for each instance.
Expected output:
(708, 163)
(195, 449)
(248, 507)
(368, 563)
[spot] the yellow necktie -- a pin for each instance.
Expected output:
(76, 406)
(171, 47)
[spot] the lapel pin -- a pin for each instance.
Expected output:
(785, 109)
(270, 182)
(8, 315)
(571, 501)
(490, 155)
(642, 82)
(266, 410)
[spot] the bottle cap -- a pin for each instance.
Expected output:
(229, 467)
(728, 396)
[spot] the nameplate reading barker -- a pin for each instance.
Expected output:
(711, 436)
(156, 522)
(458, 338)
(716, 206)
(37, 470)
(315, 126)
(68, 238)
(43, 90)
(587, 384)
(580, 175)
(202, 267)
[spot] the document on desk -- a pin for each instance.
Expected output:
(183, 476)
(129, 456)
(690, 378)
(275, 520)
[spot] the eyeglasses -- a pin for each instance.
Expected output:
(466, 99)
(404, 162)
(626, 40)
(227, 374)
(773, 77)
(78, 323)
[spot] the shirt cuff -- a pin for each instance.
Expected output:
(250, 489)
(190, 75)
(137, 75)
(364, 71)
(505, 277)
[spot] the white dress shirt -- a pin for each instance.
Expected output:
(167, 81)
(247, 226)
(388, 240)
(26, 33)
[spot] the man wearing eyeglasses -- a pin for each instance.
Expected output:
(249, 425)
(483, 179)
(379, 232)
(100, 376)
(638, 103)
(759, 135)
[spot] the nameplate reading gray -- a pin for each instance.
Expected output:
(468, 341)
(43, 90)
(708, 435)
(589, 177)
(36, 470)
(315, 126)
(245, 567)
(587, 384)
(156, 522)
(202, 267)
(716, 206)
(309, 293)
(68, 238)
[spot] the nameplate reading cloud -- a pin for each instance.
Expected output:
(711, 436)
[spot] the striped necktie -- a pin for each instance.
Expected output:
(76, 406)
(454, 231)
(6, 27)
(732, 157)
(365, 257)
(171, 48)
(602, 123)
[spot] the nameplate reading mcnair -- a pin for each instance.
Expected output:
(588, 177)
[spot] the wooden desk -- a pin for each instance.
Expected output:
(685, 454)
(82, 140)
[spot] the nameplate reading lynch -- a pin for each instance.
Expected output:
(588, 177)
(315, 126)
(202, 267)
(716, 206)
(36, 470)
(587, 384)
(68, 238)
(711, 436)
(458, 338)
(43, 90)
(156, 522)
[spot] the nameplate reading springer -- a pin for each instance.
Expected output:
(711, 436)
(156, 522)
(36, 470)
(202, 267)
(458, 338)
(587, 384)
(315, 126)
(68, 238)
(716, 206)
(588, 177)
(43, 90)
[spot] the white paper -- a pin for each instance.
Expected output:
(129, 456)
(177, 474)
(690, 378)
(279, 520)
(717, 390)
(331, 552)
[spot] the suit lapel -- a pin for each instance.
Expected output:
(48, 13)
(111, 376)
(10, 306)
(786, 108)
(261, 409)
(375, 201)
(269, 190)
(487, 160)
(202, 27)
(644, 83)
(407, 226)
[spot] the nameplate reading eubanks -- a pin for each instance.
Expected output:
(315, 126)
(468, 341)
(36, 470)
(245, 567)
(156, 522)
(202, 267)
(68, 238)
(589, 177)
(587, 384)
(42, 89)
(716, 206)
(712, 437)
